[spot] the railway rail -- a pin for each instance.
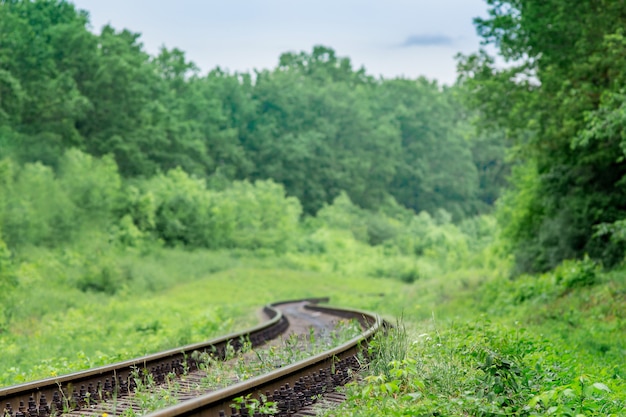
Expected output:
(290, 390)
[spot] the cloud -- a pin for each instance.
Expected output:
(427, 40)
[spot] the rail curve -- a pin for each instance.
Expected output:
(291, 388)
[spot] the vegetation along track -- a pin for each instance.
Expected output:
(180, 374)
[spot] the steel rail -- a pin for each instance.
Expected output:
(292, 387)
(172, 360)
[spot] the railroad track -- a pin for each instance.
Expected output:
(283, 389)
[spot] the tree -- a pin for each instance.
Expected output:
(435, 167)
(315, 132)
(40, 98)
(558, 98)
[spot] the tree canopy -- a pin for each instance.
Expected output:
(559, 96)
(314, 123)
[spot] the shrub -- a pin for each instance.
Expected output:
(344, 215)
(263, 216)
(92, 184)
(179, 209)
(380, 229)
(576, 274)
(101, 277)
(37, 210)
(39, 207)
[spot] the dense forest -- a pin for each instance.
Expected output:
(497, 202)
(101, 142)
(98, 135)
(314, 123)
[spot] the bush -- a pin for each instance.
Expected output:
(92, 184)
(180, 210)
(380, 229)
(41, 208)
(264, 217)
(104, 277)
(344, 215)
(576, 274)
(373, 228)
(37, 210)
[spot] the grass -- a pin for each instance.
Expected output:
(535, 346)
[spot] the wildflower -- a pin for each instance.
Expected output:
(105, 414)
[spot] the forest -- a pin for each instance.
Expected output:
(490, 213)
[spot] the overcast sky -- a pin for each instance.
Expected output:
(388, 37)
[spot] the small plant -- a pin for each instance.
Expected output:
(212, 367)
(246, 362)
(401, 380)
(229, 351)
(148, 395)
(255, 406)
(387, 349)
(581, 397)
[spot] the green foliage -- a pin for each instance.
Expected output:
(253, 406)
(364, 225)
(572, 274)
(533, 290)
(314, 123)
(101, 274)
(560, 101)
(93, 184)
(489, 151)
(388, 350)
(44, 99)
(395, 243)
(435, 169)
(263, 216)
(182, 210)
(179, 210)
(316, 131)
(482, 369)
(37, 210)
(41, 207)
(519, 213)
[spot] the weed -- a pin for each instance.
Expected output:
(255, 406)
(148, 396)
(388, 348)
(246, 363)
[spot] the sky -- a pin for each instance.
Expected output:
(390, 38)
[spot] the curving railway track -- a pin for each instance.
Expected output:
(282, 389)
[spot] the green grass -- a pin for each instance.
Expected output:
(543, 345)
